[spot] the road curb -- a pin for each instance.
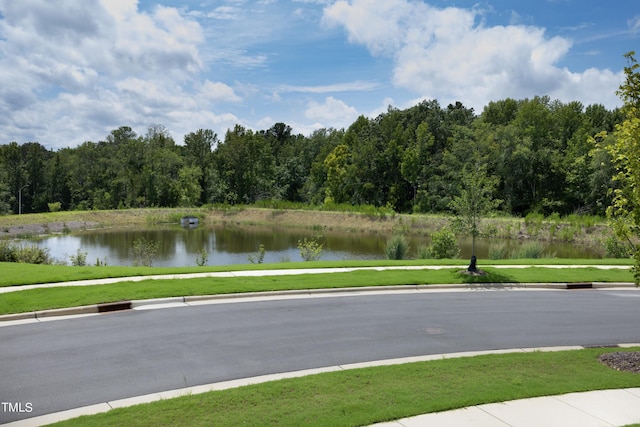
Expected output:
(235, 383)
(127, 305)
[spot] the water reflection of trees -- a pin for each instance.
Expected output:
(180, 246)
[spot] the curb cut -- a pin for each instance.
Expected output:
(128, 305)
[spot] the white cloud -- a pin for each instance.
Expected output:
(337, 87)
(218, 91)
(332, 111)
(378, 25)
(225, 13)
(76, 70)
(450, 55)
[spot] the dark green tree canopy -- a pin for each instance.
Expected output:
(542, 153)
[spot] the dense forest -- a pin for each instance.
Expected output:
(543, 156)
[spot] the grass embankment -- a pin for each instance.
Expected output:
(70, 296)
(324, 219)
(365, 396)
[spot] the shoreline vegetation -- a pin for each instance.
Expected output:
(579, 229)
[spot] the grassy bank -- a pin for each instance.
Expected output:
(68, 296)
(365, 396)
(574, 228)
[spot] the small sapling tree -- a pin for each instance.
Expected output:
(474, 201)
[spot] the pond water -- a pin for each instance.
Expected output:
(226, 245)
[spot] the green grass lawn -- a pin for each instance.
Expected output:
(15, 274)
(68, 296)
(365, 396)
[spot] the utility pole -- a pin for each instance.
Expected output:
(20, 198)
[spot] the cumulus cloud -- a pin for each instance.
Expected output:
(105, 60)
(332, 111)
(450, 54)
(218, 91)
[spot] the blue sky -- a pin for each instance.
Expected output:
(73, 70)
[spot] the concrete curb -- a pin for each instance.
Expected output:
(225, 385)
(174, 301)
(70, 311)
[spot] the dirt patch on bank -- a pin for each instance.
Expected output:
(15, 226)
(30, 230)
(315, 220)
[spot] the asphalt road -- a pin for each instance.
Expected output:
(65, 364)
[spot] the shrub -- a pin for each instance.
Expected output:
(443, 245)
(423, 252)
(396, 247)
(6, 251)
(144, 251)
(529, 250)
(79, 259)
(258, 257)
(567, 234)
(27, 254)
(554, 217)
(33, 255)
(203, 258)
(615, 248)
(533, 218)
(311, 250)
(54, 207)
(498, 251)
(533, 222)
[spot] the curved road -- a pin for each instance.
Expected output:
(64, 364)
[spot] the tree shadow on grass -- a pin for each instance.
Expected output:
(487, 279)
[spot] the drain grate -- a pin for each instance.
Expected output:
(580, 285)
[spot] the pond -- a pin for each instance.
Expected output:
(226, 245)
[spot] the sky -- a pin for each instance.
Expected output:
(74, 70)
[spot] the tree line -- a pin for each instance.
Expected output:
(543, 156)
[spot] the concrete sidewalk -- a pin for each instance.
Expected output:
(593, 408)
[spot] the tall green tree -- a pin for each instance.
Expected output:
(199, 147)
(625, 209)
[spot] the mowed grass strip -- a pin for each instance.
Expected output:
(366, 396)
(16, 274)
(71, 296)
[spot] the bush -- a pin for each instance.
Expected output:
(533, 218)
(311, 250)
(79, 259)
(27, 254)
(258, 257)
(498, 251)
(396, 247)
(443, 245)
(423, 252)
(529, 250)
(615, 248)
(54, 207)
(203, 258)
(144, 251)
(6, 251)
